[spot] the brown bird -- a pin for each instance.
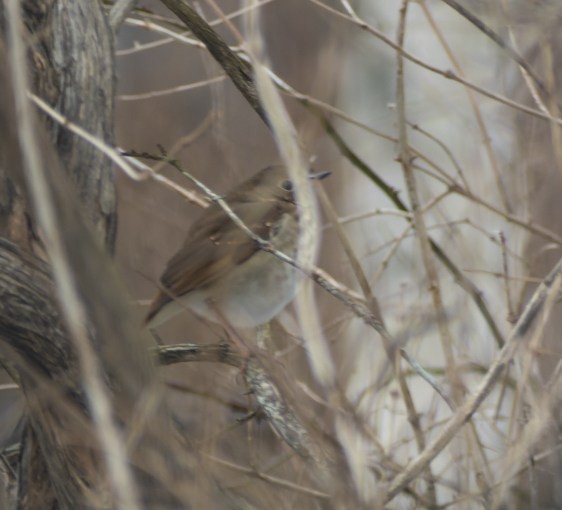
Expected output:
(220, 272)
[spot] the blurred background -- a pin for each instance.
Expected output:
(488, 179)
(507, 163)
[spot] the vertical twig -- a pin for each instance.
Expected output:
(405, 159)
(69, 293)
(486, 138)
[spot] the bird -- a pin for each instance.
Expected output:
(224, 275)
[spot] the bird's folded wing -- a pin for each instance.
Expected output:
(213, 247)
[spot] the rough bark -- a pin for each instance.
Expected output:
(62, 462)
(72, 67)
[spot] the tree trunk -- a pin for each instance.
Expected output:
(64, 462)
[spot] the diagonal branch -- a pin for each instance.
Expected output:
(465, 412)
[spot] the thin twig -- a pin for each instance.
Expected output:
(450, 75)
(466, 410)
(405, 159)
(486, 138)
(118, 13)
(427, 377)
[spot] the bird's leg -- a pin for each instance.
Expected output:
(156, 337)
(231, 333)
(263, 335)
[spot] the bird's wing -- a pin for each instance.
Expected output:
(212, 247)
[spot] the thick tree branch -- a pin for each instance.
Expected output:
(238, 70)
(51, 363)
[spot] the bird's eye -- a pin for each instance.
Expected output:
(287, 185)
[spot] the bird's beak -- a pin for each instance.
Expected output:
(319, 175)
